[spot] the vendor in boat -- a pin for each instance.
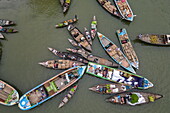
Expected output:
(2, 29)
(65, 23)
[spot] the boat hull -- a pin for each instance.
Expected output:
(1, 36)
(60, 64)
(67, 22)
(109, 7)
(6, 22)
(118, 76)
(93, 58)
(50, 88)
(155, 39)
(8, 30)
(115, 53)
(68, 96)
(93, 30)
(66, 55)
(127, 47)
(79, 37)
(8, 95)
(110, 88)
(134, 98)
(124, 9)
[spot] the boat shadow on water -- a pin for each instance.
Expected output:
(125, 22)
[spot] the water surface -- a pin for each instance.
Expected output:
(35, 21)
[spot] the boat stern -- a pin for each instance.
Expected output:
(130, 68)
(81, 70)
(100, 36)
(43, 63)
(147, 84)
(92, 88)
(12, 99)
(24, 103)
(158, 96)
(135, 65)
(50, 49)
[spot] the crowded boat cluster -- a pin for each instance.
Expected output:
(80, 60)
(4, 29)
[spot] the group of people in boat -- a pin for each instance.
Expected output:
(115, 52)
(77, 35)
(123, 6)
(107, 4)
(131, 98)
(6, 94)
(128, 49)
(37, 95)
(2, 29)
(115, 75)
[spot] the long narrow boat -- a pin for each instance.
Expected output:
(50, 88)
(93, 58)
(109, 7)
(66, 55)
(8, 95)
(110, 88)
(127, 47)
(67, 22)
(68, 96)
(118, 76)
(115, 53)
(79, 37)
(155, 39)
(134, 98)
(124, 9)
(7, 30)
(88, 36)
(60, 64)
(1, 36)
(93, 27)
(4, 22)
(66, 5)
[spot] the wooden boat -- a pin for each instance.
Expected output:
(124, 9)
(8, 95)
(88, 36)
(115, 53)
(7, 30)
(93, 27)
(1, 36)
(118, 76)
(79, 37)
(60, 64)
(66, 55)
(155, 39)
(110, 88)
(74, 43)
(50, 88)
(93, 58)
(68, 96)
(109, 7)
(4, 22)
(67, 22)
(127, 47)
(134, 98)
(66, 5)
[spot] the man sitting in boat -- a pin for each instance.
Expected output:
(2, 29)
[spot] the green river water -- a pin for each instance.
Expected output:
(35, 21)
